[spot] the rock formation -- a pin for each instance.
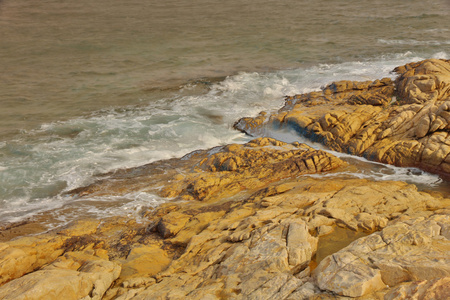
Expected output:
(219, 172)
(410, 250)
(251, 221)
(404, 123)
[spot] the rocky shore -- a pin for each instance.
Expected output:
(403, 122)
(253, 221)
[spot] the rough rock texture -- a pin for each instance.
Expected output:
(258, 246)
(251, 222)
(263, 248)
(424, 290)
(64, 279)
(405, 123)
(218, 172)
(59, 272)
(410, 250)
(27, 254)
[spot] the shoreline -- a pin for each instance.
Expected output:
(46, 221)
(245, 223)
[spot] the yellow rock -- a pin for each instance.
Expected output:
(144, 261)
(245, 222)
(405, 126)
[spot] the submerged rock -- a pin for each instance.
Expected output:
(405, 123)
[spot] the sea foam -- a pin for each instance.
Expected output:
(40, 165)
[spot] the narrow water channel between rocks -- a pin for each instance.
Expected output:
(359, 167)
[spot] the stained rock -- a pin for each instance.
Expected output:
(172, 223)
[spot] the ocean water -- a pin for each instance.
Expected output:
(92, 86)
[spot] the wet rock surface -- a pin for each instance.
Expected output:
(222, 171)
(248, 221)
(403, 122)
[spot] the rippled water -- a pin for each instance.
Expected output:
(90, 86)
(62, 59)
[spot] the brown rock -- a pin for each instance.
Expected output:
(258, 245)
(246, 223)
(342, 274)
(258, 251)
(144, 261)
(423, 81)
(27, 254)
(172, 223)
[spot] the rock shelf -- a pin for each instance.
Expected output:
(247, 221)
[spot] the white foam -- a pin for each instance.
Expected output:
(132, 204)
(365, 169)
(36, 167)
(414, 42)
(384, 172)
(440, 55)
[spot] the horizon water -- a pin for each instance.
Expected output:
(87, 88)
